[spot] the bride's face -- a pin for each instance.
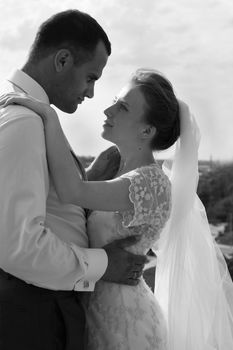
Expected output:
(125, 117)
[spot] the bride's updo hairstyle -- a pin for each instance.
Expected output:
(162, 107)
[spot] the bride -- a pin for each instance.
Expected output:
(192, 307)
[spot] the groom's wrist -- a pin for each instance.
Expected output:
(94, 264)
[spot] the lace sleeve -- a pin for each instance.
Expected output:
(149, 191)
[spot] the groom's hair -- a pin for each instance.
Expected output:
(73, 30)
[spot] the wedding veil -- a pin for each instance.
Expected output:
(192, 282)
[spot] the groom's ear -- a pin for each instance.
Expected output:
(63, 60)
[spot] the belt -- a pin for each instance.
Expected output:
(11, 285)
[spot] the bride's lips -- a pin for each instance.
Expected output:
(80, 100)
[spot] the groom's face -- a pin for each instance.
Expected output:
(78, 81)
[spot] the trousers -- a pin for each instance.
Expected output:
(33, 318)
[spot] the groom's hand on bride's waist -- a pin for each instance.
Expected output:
(124, 267)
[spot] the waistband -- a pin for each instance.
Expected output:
(13, 286)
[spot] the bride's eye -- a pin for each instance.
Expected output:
(123, 106)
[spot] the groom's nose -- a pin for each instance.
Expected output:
(90, 91)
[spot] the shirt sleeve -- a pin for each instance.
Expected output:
(149, 192)
(28, 249)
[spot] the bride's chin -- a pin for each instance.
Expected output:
(105, 136)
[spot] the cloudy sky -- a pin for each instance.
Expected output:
(191, 41)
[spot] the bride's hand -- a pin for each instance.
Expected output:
(45, 111)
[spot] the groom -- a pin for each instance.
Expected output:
(45, 261)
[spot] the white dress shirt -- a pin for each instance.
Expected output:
(42, 241)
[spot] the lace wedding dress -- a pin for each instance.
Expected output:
(121, 317)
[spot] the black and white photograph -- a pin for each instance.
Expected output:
(116, 175)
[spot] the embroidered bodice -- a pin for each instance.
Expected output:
(150, 193)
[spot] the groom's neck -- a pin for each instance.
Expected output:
(37, 72)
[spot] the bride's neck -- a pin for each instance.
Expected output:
(133, 160)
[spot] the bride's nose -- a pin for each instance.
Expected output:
(108, 112)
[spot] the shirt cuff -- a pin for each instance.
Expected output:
(95, 264)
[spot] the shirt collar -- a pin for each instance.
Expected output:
(28, 85)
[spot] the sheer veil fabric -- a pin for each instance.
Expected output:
(192, 282)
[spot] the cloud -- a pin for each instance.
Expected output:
(190, 41)
(20, 39)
